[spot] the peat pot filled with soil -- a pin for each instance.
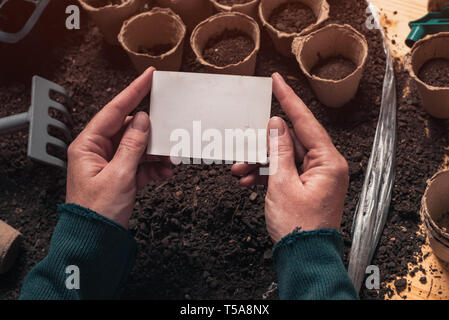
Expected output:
(109, 15)
(154, 38)
(249, 7)
(191, 12)
(333, 59)
(435, 214)
(429, 68)
(10, 240)
(227, 43)
(288, 19)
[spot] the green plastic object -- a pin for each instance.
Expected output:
(431, 23)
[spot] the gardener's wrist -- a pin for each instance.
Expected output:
(90, 214)
(309, 265)
(102, 251)
(298, 233)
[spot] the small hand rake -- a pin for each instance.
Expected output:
(39, 119)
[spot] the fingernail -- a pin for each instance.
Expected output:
(278, 77)
(141, 122)
(276, 127)
(150, 69)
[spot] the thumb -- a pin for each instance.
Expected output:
(282, 152)
(133, 144)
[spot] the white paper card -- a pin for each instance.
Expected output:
(210, 117)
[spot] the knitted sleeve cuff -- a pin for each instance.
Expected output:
(86, 244)
(309, 266)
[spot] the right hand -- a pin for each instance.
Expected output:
(312, 199)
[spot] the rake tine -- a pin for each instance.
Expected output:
(56, 142)
(50, 85)
(51, 160)
(60, 125)
(60, 107)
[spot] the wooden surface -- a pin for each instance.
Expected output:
(395, 15)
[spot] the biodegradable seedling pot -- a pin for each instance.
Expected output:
(435, 99)
(330, 41)
(9, 246)
(249, 8)
(434, 204)
(217, 24)
(110, 18)
(283, 41)
(155, 27)
(191, 12)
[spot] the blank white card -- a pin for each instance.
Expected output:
(210, 117)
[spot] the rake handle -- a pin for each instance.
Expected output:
(14, 123)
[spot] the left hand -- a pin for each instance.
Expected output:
(106, 162)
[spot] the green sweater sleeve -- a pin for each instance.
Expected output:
(310, 267)
(90, 257)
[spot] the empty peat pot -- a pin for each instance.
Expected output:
(219, 24)
(9, 246)
(435, 99)
(109, 15)
(282, 40)
(248, 7)
(191, 12)
(328, 42)
(435, 214)
(154, 38)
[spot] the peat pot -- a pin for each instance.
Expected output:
(331, 41)
(154, 38)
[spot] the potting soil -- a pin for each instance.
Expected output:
(435, 72)
(292, 17)
(229, 47)
(199, 235)
(334, 68)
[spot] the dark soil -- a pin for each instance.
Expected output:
(292, 17)
(334, 68)
(232, 2)
(400, 284)
(199, 235)
(229, 47)
(435, 72)
(443, 222)
(14, 15)
(104, 3)
(156, 50)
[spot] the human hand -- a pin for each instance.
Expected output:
(106, 162)
(312, 199)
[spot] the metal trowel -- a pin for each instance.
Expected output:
(433, 22)
(39, 120)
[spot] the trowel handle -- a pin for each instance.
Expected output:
(13, 123)
(418, 32)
